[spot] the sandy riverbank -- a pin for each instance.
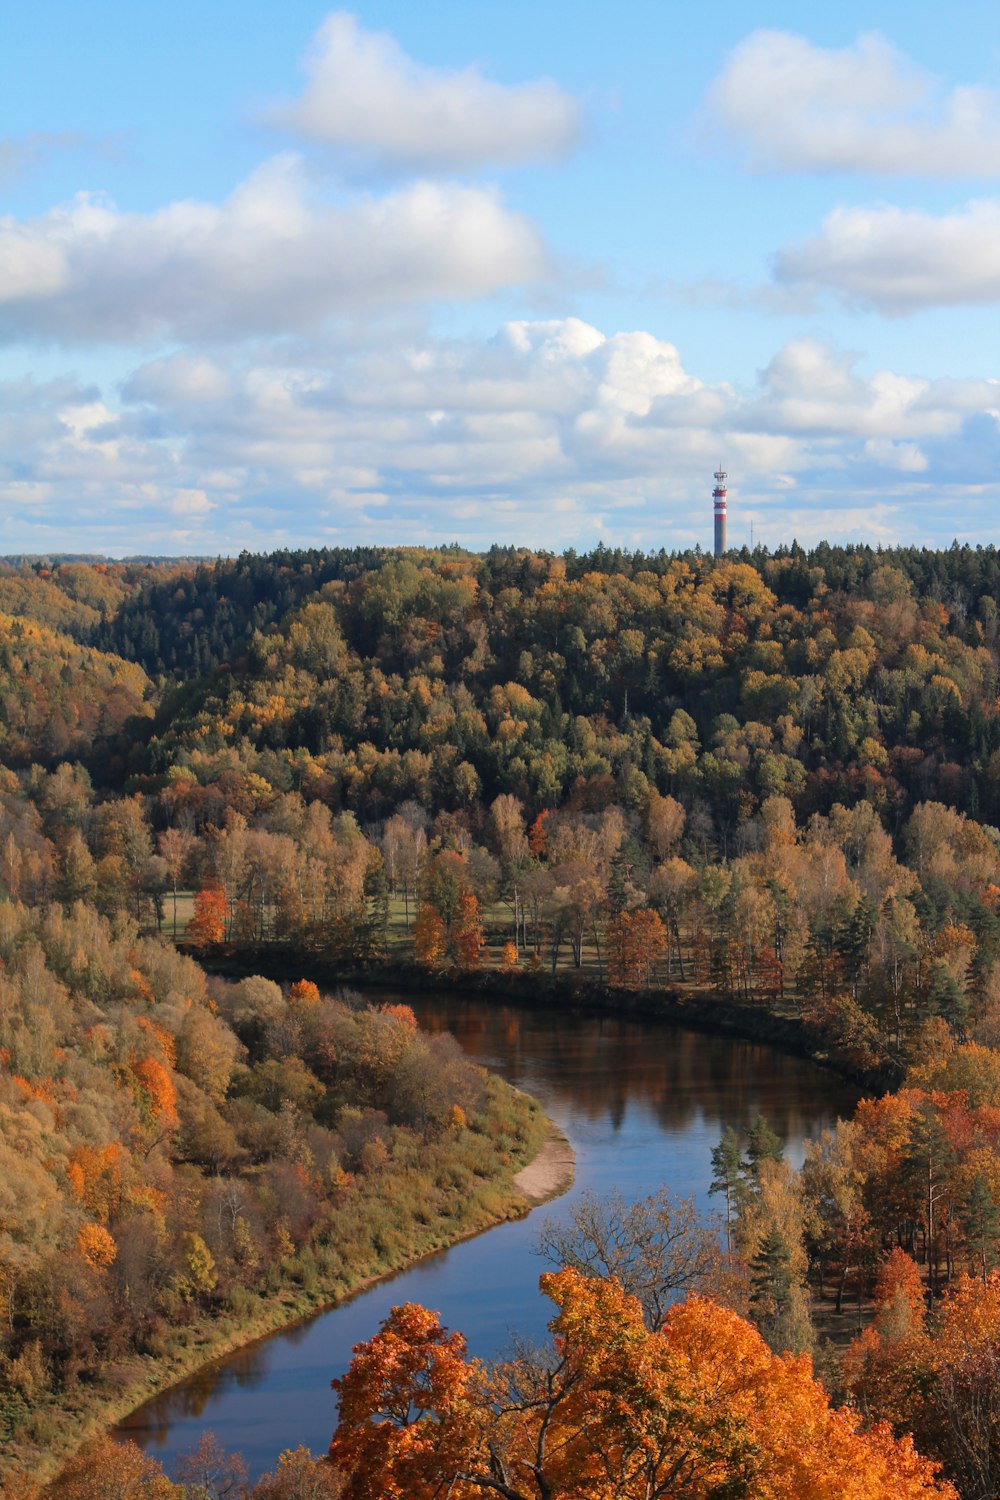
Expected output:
(551, 1171)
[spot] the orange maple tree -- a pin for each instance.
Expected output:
(208, 925)
(468, 932)
(429, 937)
(700, 1408)
(157, 1089)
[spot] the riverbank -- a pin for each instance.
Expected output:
(318, 1278)
(640, 1102)
(699, 1010)
(199, 1346)
(550, 1174)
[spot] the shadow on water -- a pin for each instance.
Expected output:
(643, 1103)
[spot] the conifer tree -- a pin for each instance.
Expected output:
(728, 1178)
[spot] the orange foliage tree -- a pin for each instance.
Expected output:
(208, 925)
(468, 932)
(157, 1090)
(900, 1293)
(429, 937)
(96, 1246)
(940, 1382)
(538, 837)
(637, 940)
(298, 1476)
(700, 1408)
(107, 1470)
(510, 959)
(96, 1177)
(304, 992)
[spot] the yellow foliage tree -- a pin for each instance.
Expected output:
(96, 1246)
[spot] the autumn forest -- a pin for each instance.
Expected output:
(238, 796)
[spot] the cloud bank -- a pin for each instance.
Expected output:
(551, 433)
(272, 258)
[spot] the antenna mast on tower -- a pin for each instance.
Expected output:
(719, 497)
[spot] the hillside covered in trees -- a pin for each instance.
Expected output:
(176, 1152)
(772, 779)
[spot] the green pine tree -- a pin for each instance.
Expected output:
(979, 1217)
(763, 1144)
(728, 1178)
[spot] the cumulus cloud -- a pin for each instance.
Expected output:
(550, 433)
(899, 260)
(270, 259)
(792, 106)
(73, 476)
(367, 98)
(179, 379)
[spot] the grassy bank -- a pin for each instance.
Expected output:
(430, 1199)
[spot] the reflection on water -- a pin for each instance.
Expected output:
(642, 1103)
(600, 1067)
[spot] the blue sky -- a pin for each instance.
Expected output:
(289, 275)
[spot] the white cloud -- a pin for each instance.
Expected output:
(181, 378)
(907, 458)
(270, 259)
(191, 503)
(30, 268)
(91, 426)
(791, 106)
(549, 411)
(366, 97)
(550, 433)
(900, 260)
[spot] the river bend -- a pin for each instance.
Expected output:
(642, 1102)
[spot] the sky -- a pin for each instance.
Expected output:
(411, 274)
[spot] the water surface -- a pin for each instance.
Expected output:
(643, 1104)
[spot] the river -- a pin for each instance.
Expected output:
(643, 1103)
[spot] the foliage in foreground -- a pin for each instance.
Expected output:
(611, 1411)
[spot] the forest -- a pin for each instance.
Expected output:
(772, 779)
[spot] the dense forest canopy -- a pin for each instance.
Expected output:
(772, 778)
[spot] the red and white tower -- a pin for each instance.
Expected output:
(719, 496)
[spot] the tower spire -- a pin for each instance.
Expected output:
(719, 497)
